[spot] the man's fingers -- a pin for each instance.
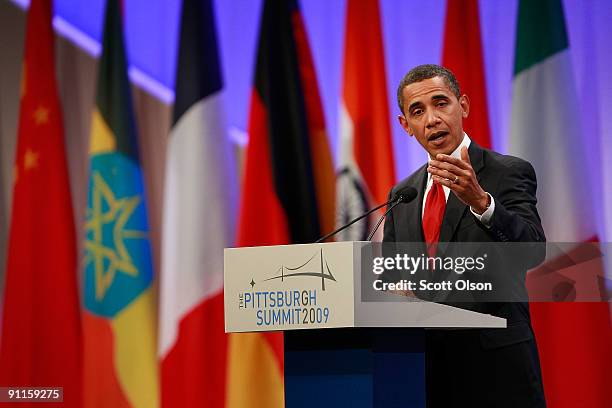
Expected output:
(452, 160)
(442, 173)
(465, 156)
(446, 182)
(435, 164)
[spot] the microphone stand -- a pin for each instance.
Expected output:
(324, 237)
(380, 220)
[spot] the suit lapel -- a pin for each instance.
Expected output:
(455, 209)
(417, 218)
(412, 230)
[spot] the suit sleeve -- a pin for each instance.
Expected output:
(516, 217)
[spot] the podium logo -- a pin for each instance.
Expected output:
(316, 266)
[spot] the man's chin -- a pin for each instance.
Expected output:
(447, 147)
(433, 152)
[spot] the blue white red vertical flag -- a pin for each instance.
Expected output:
(198, 222)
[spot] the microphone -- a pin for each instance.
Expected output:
(405, 195)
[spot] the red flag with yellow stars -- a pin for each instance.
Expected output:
(41, 330)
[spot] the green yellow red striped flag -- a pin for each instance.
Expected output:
(120, 364)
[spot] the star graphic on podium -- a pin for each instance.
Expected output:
(109, 212)
(252, 283)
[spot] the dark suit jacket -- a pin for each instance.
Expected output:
(481, 367)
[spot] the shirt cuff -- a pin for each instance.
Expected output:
(486, 216)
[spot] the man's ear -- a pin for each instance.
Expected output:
(464, 101)
(404, 123)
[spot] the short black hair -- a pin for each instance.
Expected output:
(427, 71)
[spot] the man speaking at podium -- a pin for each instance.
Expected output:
(468, 194)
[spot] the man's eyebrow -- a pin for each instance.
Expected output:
(439, 96)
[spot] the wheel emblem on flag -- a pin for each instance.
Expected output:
(117, 261)
(351, 203)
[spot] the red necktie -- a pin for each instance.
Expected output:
(433, 215)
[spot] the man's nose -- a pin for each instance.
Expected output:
(432, 119)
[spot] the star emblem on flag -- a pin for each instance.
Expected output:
(41, 115)
(107, 235)
(30, 159)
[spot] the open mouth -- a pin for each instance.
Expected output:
(438, 137)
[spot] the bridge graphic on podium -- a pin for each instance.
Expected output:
(316, 266)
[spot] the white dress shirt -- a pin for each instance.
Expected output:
(485, 217)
